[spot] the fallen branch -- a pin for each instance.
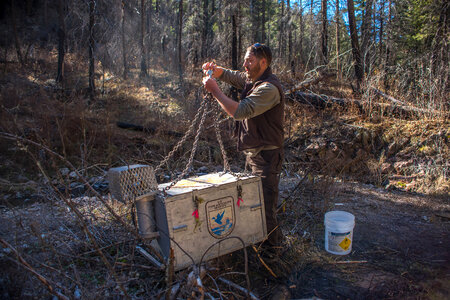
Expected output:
(70, 203)
(308, 82)
(390, 98)
(401, 177)
(344, 262)
(151, 130)
(324, 101)
(264, 263)
(238, 287)
(153, 260)
(28, 267)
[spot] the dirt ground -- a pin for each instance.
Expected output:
(401, 245)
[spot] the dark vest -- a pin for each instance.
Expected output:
(265, 129)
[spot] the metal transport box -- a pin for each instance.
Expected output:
(198, 212)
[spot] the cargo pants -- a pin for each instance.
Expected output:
(267, 164)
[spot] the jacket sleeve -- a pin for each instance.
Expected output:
(235, 78)
(264, 97)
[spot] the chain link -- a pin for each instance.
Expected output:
(205, 112)
(184, 138)
(226, 165)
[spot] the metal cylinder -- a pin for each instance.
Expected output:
(145, 215)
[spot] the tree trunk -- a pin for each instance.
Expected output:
(302, 33)
(180, 31)
(234, 58)
(45, 14)
(149, 40)
(141, 41)
(355, 43)
(91, 51)
(281, 32)
(338, 44)
(205, 30)
(61, 38)
(380, 36)
(254, 20)
(324, 33)
(263, 21)
(16, 35)
(239, 34)
(440, 48)
(388, 47)
(366, 33)
(124, 49)
(289, 36)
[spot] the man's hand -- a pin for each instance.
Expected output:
(217, 71)
(210, 85)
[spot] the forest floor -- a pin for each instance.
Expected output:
(400, 249)
(391, 173)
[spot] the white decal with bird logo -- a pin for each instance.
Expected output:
(220, 214)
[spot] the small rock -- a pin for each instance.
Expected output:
(76, 189)
(203, 169)
(100, 187)
(64, 171)
(77, 293)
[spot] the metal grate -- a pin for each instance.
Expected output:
(128, 182)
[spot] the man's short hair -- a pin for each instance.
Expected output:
(261, 51)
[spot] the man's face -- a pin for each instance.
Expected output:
(252, 66)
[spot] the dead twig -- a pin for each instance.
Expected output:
(27, 266)
(71, 204)
(264, 263)
(16, 138)
(170, 273)
(238, 287)
(153, 260)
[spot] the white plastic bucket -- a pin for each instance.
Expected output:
(339, 232)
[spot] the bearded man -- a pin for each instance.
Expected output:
(259, 122)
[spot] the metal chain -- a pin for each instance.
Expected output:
(226, 165)
(194, 147)
(183, 140)
(203, 111)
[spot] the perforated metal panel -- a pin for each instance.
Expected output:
(129, 182)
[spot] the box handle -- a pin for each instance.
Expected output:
(180, 228)
(255, 207)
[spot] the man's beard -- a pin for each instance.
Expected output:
(252, 72)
